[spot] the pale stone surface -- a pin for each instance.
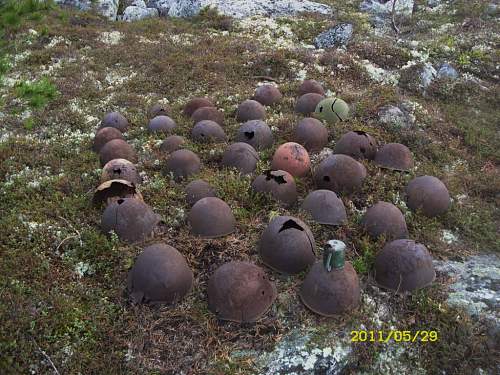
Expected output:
(135, 13)
(107, 8)
(337, 36)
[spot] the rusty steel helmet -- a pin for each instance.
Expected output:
(241, 156)
(311, 86)
(114, 120)
(112, 190)
(160, 275)
(131, 219)
(208, 131)
(394, 156)
(340, 173)
(429, 194)
(198, 189)
(311, 133)
(196, 103)
(182, 164)
(208, 113)
(307, 103)
(357, 144)
(117, 149)
(267, 94)
(256, 133)
(384, 218)
(163, 124)
(250, 110)
(159, 109)
(403, 266)
(240, 292)
(120, 169)
(287, 245)
(325, 207)
(172, 143)
(279, 184)
(293, 158)
(104, 135)
(211, 217)
(332, 286)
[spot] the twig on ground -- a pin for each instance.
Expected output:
(267, 78)
(46, 357)
(393, 22)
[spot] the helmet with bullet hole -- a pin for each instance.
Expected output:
(208, 131)
(340, 173)
(279, 184)
(120, 169)
(256, 133)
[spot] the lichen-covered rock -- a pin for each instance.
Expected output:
(378, 7)
(337, 36)
(107, 8)
(427, 75)
(135, 13)
(393, 117)
(447, 71)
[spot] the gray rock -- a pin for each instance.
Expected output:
(393, 117)
(377, 7)
(138, 3)
(107, 8)
(434, 3)
(135, 13)
(447, 71)
(427, 75)
(340, 35)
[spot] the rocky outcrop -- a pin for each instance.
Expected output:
(338, 36)
(107, 8)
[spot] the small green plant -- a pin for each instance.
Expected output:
(12, 12)
(38, 94)
(29, 123)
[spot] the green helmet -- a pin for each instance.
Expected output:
(332, 110)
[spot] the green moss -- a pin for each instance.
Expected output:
(38, 93)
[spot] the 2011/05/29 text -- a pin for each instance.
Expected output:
(395, 335)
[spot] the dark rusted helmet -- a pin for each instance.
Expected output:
(163, 124)
(325, 207)
(104, 135)
(394, 156)
(404, 265)
(120, 169)
(241, 156)
(130, 218)
(293, 158)
(311, 133)
(340, 173)
(267, 94)
(428, 194)
(357, 144)
(332, 286)
(172, 143)
(256, 133)
(240, 292)
(117, 149)
(197, 190)
(208, 131)
(211, 217)
(311, 86)
(384, 218)
(159, 109)
(182, 163)
(287, 245)
(196, 103)
(250, 110)
(114, 120)
(208, 113)
(160, 275)
(307, 103)
(112, 190)
(279, 184)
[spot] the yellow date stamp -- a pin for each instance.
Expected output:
(394, 335)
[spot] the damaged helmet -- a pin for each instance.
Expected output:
(256, 133)
(357, 144)
(172, 143)
(208, 113)
(429, 194)
(163, 124)
(267, 94)
(112, 190)
(279, 184)
(325, 207)
(198, 189)
(311, 86)
(340, 173)
(120, 169)
(104, 135)
(386, 219)
(307, 103)
(114, 120)
(241, 156)
(182, 164)
(311, 133)
(211, 217)
(332, 110)
(394, 156)
(117, 149)
(208, 131)
(195, 104)
(159, 109)
(293, 158)
(250, 110)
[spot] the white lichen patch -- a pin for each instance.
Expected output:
(114, 78)
(393, 359)
(111, 38)
(183, 39)
(57, 40)
(84, 269)
(448, 237)
(378, 74)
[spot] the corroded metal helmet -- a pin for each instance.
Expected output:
(332, 286)
(384, 218)
(250, 110)
(357, 144)
(208, 131)
(287, 245)
(160, 275)
(130, 218)
(104, 135)
(293, 158)
(279, 184)
(113, 190)
(172, 143)
(117, 149)
(428, 194)
(240, 292)
(208, 113)
(340, 173)
(159, 109)
(162, 123)
(211, 217)
(325, 207)
(404, 265)
(311, 133)
(256, 133)
(196, 103)
(267, 94)
(182, 163)
(198, 189)
(114, 120)
(241, 156)
(394, 156)
(307, 103)
(120, 169)
(332, 110)
(311, 86)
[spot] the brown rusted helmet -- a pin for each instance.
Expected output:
(117, 149)
(340, 173)
(159, 109)
(104, 135)
(208, 131)
(172, 143)
(240, 292)
(130, 218)
(163, 124)
(114, 120)
(197, 190)
(307, 103)
(160, 275)
(182, 163)
(404, 265)
(256, 133)
(357, 144)
(394, 156)
(428, 194)
(267, 94)
(196, 103)
(325, 207)
(112, 190)
(384, 218)
(311, 133)
(279, 184)
(287, 245)
(311, 86)
(293, 158)
(208, 113)
(241, 156)
(250, 110)
(120, 169)
(332, 286)
(211, 217)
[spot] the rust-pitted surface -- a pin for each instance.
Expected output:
(267, 94)
(394, 156)
(195, 104)
(240, 292)
(256, 133)
(340, 173)
(279, 184)
(208, 131)
(120, 169)
(172, 143)
(386, 219)
(211, 217)
(428, 194)
(104, 135)
(250, 110)
(117, 149)
(311, 134)
(197, 190)
(241, 156)
(325, 207)
(114, 120)
(293, 158)
(159, 109)
(182, 164)
(112, 190)
(208, 113)
(307, 103)
(357, 144)
(161, 124)
(311, 86)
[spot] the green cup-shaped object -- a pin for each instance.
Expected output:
(332, 110)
